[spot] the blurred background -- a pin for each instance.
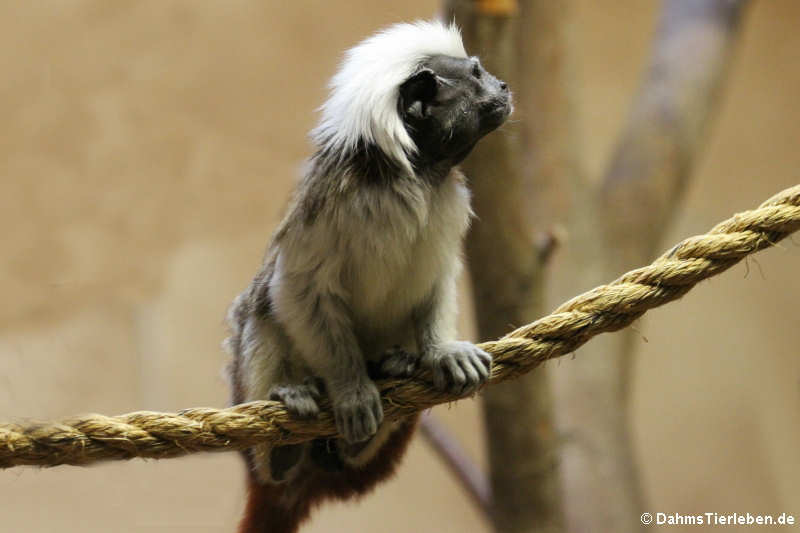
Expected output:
(146, 153)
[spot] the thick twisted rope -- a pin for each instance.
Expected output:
(85, 439)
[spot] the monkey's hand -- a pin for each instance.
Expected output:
(396, 362)
(300, 399)
(458, 367)
(357, 409)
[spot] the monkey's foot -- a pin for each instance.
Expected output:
(458, 367)
(396, 362)
(300, 399)
(358, 410)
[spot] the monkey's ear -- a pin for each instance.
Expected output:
(417, 93)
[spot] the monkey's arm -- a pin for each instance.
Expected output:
(457, 366)
(316, 317)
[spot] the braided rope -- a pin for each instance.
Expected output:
(85, 439)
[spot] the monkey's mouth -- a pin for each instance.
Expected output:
(495, 111)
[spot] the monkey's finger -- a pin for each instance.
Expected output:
(485, 358)
(470, 371)
(377, 412)
(394, 366)
(277, 393)
(372, 424)
(343, 425)
(480, 366)
(306, 407)
(398, 363)
(458, 379)
(365, 425)
(439, 376)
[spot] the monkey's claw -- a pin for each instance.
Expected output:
(358, 411)
(300, 399)
(458, 367)
(398, 363)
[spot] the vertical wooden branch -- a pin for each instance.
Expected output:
(631, 207)
(668, 124)
(517, 176)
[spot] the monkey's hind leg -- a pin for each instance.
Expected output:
(301, 402)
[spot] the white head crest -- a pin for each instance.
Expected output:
(363, 102)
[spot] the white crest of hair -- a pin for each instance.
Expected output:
(363, 101)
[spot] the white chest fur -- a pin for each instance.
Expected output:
(394, 264)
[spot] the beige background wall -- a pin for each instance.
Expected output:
(146, 150)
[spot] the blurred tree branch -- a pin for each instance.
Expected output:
(472, 479)
(527, 43)
(518, 178)
(619, 222)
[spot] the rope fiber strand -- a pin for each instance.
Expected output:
(90, 438)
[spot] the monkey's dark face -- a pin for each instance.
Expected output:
(449, 104)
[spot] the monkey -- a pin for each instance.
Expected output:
(359, 278)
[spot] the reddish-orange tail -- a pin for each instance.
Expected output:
(267, 512)
(282, 508)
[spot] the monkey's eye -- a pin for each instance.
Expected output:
(476, 71)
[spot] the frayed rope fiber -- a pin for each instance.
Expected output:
(85, 439)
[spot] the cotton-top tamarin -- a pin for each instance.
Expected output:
(361, 272)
